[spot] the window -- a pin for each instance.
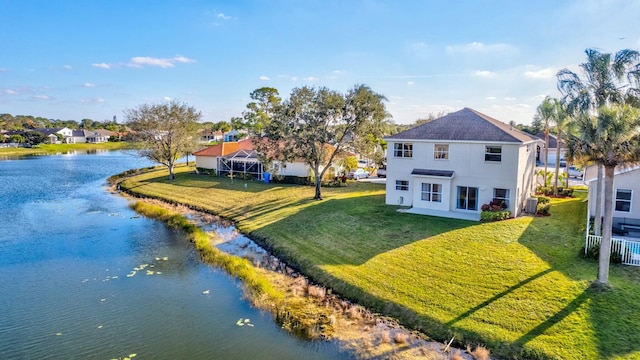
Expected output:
(431, 192)
(402, 185)
(441, 151)
(623, 200)
(493, 153)
(403, 150)
(500, 195)
(467, 198)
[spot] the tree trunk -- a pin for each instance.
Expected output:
(605, 244)
(598, 215)
(546, 151)
(171, 175)
(555, 183)
(318, 195)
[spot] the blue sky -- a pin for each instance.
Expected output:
(93, 59)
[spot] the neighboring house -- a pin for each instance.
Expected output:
(233, 135)
(211, 136)
(626, 198)
(97, 136)
(208, 158)
(553, 150)
(241, 157)
(453, 165)
(52, 134)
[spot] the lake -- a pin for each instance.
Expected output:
(83, 276)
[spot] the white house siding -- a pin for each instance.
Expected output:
(207, 162)
(293, 169)
(629, 180)
(526, 174)
(466, 159)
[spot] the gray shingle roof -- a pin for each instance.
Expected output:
(553, 140)
(465, 125)
(430, 172)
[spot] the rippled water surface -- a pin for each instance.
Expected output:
(82, 276)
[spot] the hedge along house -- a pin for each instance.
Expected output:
(453, 165)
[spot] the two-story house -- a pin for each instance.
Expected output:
(453, 165)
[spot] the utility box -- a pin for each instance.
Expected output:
(531, 207)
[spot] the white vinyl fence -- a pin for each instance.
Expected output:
(629, 249)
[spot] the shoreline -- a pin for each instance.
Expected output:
(357, 330)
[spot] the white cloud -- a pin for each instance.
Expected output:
(3, 70)
(183, 59)
(545, 73)
(264, 78)
(68, 67)
(223, 16)
(92, 101)
(478, 47)
(41, 97)
(146, 60)
(88, 85)
(139, 61)
(10, 92)
(311, 78)
(166, 98)
(484, 73)
(410, 83)
(336, 72)
(490, 98)
(509, 98)
(102, 65)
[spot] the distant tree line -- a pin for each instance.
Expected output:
(9, 122)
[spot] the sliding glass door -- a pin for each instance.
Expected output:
(467, 198)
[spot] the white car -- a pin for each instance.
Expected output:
(574, 172)
(358, 174)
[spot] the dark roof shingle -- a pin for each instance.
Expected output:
(465, 125)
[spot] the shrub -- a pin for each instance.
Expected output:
(593, 252)
(492, 215)
(543, 200)
(543, 209)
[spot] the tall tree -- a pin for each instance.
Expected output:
(546, 112)
(318, 124)
(610, 139)
(607, 81)
(260, 111)
(562, 123)
(168, 131)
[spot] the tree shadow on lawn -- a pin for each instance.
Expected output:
(613, 314)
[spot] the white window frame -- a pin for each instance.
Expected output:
(403, 150)
(402, 185)
(620, 200)
(488, 155)
(442, 153)
(505, 199)
(432, 193)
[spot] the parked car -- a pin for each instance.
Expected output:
(382, 171)
(574, 172)
(358, 174)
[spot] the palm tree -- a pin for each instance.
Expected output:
(545, 113)
(612, 139)
(562, 120)
(608, 81)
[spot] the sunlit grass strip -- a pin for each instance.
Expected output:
(296, 314)
(44, 149)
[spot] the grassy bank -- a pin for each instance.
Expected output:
(45, 149)
(293, 313)
(518, 286)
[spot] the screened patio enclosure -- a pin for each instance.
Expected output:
(242, 164)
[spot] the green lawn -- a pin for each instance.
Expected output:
(518, 286)
(61, 148)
